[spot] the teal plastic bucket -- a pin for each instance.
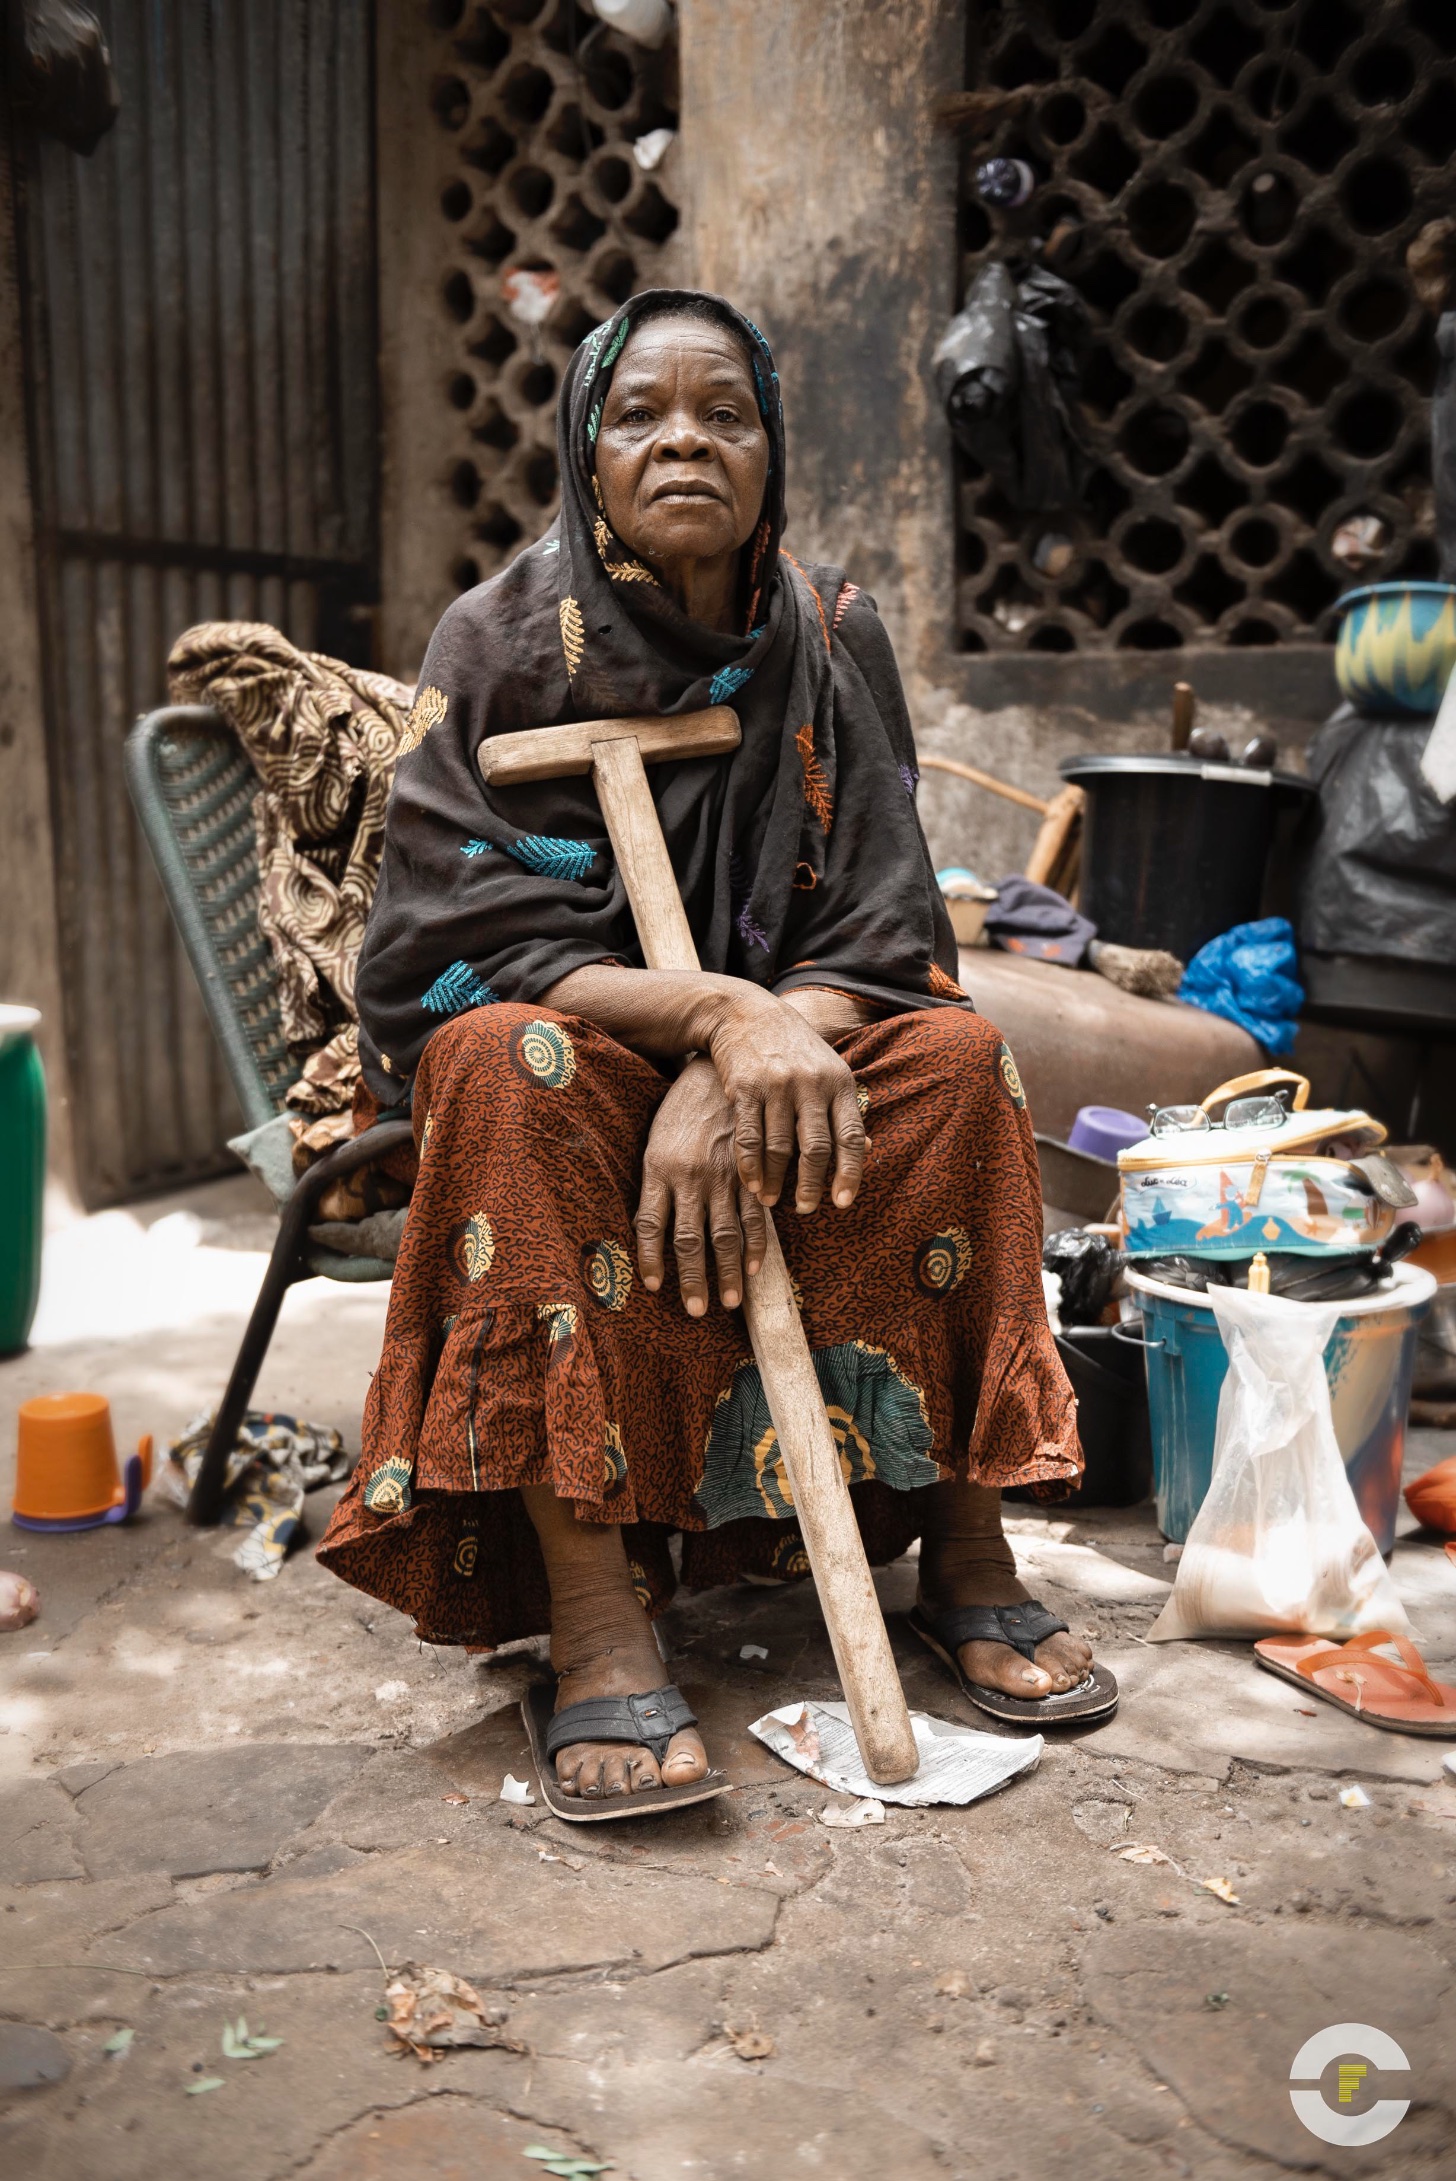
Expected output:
(1369, 1363)
(22, 1173)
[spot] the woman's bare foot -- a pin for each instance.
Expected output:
(966, 1560)
(602, 1645)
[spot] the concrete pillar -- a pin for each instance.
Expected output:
(821, 200)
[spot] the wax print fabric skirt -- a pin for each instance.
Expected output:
(522, 1348)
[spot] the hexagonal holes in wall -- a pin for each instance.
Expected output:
(1106, 161)
(1114, 58)
(1210, 491)
(1152, 544)
(576, 227)
(1156, 331)
(1323, 32)
(1320, 136)
(460, 390)
(527, 93)
(1259, 432)
(1107, 281)
(1225, 45)
(531, 190)
(540, 476)
(570, 135)
(616, 276)
(1021, 60)
(1150, 633)
(495, 429)
(1263, 321)
(458, 296)
(484, 45)
(493, 241)
(1155, 438)
(496, 343)
(536, 384)
(1367, 423)
(652, 217)
(1383, 75)
(1062, 118)
(1099, 597)
(609, 74)
(1160, 218)
(456, 202)
(1267, 208)
(1312, 368)
(1209, 590)
(1316, 262)
(490, 148)
(1376, 308)
(1164, 105)
(1376, 194)
(1256, 541)
(1105, 385)
(1217, 275)
(1308, 486)
(498, 527)
(1216, 376)
(1432, 126)
(1221, 148)
(464, 484)
(1304, 586)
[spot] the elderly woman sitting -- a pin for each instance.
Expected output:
(554, 1403)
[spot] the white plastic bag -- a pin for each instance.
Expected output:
(1278, 1546)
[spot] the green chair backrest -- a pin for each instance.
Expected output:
(193, 785)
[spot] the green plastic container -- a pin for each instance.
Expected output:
(22, 1173)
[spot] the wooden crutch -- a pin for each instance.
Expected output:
(614, 752)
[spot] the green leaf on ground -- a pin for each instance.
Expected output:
(121, 2042)
(204, 2082)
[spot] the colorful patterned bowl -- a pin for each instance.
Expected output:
(1397, 646)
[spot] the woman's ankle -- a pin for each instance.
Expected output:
(965, 1557)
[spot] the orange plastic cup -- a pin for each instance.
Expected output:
(66, 1475)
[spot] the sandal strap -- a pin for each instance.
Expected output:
(1362, 1647)
(1021, 1627)
(650, 1720)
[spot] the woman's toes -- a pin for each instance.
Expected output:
(617, 1772)
(686, 1759)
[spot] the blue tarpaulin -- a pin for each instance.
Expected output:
(1250, 976)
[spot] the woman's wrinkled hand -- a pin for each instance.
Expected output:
(790, 1091)
(690, 1186)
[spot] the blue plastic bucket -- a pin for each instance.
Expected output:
(1369, 1363)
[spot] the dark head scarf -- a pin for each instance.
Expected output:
(800, 857)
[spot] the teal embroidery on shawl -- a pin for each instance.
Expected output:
(476, 848)
(726, 681)
(456, 990)
(553, 858)
(878, 1417)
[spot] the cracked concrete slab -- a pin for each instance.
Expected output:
(495, 1914)
(37, 1834)
(203, 1810)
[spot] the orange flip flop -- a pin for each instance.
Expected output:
(1402, 1697)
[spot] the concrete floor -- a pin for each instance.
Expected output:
(211, 1789)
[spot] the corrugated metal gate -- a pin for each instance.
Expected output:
(200, 323)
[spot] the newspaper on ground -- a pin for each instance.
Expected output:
(957, 1764)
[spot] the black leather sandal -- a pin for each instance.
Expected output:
(649, 1722)
(1021, 1627)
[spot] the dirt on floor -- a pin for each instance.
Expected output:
(221, 1798)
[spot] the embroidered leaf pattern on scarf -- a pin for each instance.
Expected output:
(726, 681)
(476, 848)
(553, 859)
(573, 634)
(456, 990)
(816, 780)
(427, 711)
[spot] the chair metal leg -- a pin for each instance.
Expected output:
(288, 1263)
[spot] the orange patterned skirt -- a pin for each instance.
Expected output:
(522, 1348)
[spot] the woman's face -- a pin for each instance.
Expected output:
(682, 455)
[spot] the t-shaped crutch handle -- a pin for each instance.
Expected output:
(614, 751)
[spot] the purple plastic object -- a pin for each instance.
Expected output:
(125, 1508)
(1103, 1131)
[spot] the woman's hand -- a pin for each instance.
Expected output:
(788, 1089)
(690, 1181)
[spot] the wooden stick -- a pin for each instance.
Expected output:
(985, 780)
(1183, 710)
(1064, 811)
(817, 1482)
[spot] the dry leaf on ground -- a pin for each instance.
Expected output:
(1142, 1851)
(1223, 1887)
(749, 2044)
(432, 2012)
(867, 1811)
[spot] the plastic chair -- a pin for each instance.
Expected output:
(193, 786)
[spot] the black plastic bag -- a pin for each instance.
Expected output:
(1008, 369)
(1300, 1279)
(1379, 872)
(1086, 1264)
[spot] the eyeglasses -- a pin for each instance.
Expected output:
(1192, 1120)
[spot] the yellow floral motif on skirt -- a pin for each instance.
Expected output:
(1011, 1078)
(943, 1262)
(388, 1490)
(607, 1270)
(472, 1248)
(640, 1584)
(544, 1052)
(614, 1460)
(429, 708)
